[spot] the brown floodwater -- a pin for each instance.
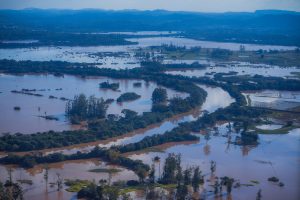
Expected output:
(78, 169)
(275, 155)
(216, 98)
(26, 120)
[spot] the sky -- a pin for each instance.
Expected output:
(174, 5)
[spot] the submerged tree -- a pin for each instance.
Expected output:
(170, 169)
(159, 95)
(46, 175)
(197, 179)
(82, 108)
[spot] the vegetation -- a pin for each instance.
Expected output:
(82, 108)
(48, 27)
(128, 96)
(159, 96)
(10, 190)
(17, 108)
(107, 85)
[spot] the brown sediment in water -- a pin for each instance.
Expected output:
(37, 169)
(194, 112)
(161, 147)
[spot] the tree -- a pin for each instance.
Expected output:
(213, 166)
(188, 176)
(152, 173)
(142, 173)
(258, 195)
(159, 95)
(197, 179)
(169, 173)
(157, 159)
(59, 182)
(46, 175)
(11, 190)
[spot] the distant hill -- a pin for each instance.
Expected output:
(263, 26)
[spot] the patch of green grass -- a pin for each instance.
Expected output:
(76, 185)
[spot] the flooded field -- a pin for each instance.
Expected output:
(31, 107)
(79, 169)
(239, 68)
(275, 155)
(282, 100)
(118, 57)
(180, 41)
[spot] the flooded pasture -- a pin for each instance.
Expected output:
(281, 100)
(79, 169)
(119, 56)
(31, 107)
(275, 155)
(181, 41)
(239, 69)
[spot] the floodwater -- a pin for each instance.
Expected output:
(269, 126)
(79, 169)
(119, 56)
(275, 155)
(140, 33)
(68, 86)
(240, 68)
(180, 41)
(282, 100)
(212, 103)
(116, 57)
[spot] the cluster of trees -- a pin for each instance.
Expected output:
(172, 174)
(159, 96)
(101, 191)
(107, 85)
(220, 53)
(176, 135)
(109, 155)
(11, 190)
(128, 96)
(81, 108)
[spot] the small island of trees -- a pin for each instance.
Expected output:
(128, 96)
(82, 108)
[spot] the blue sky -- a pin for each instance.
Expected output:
(182, 5)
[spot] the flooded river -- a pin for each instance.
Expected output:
(31, 107)
(80, 169)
